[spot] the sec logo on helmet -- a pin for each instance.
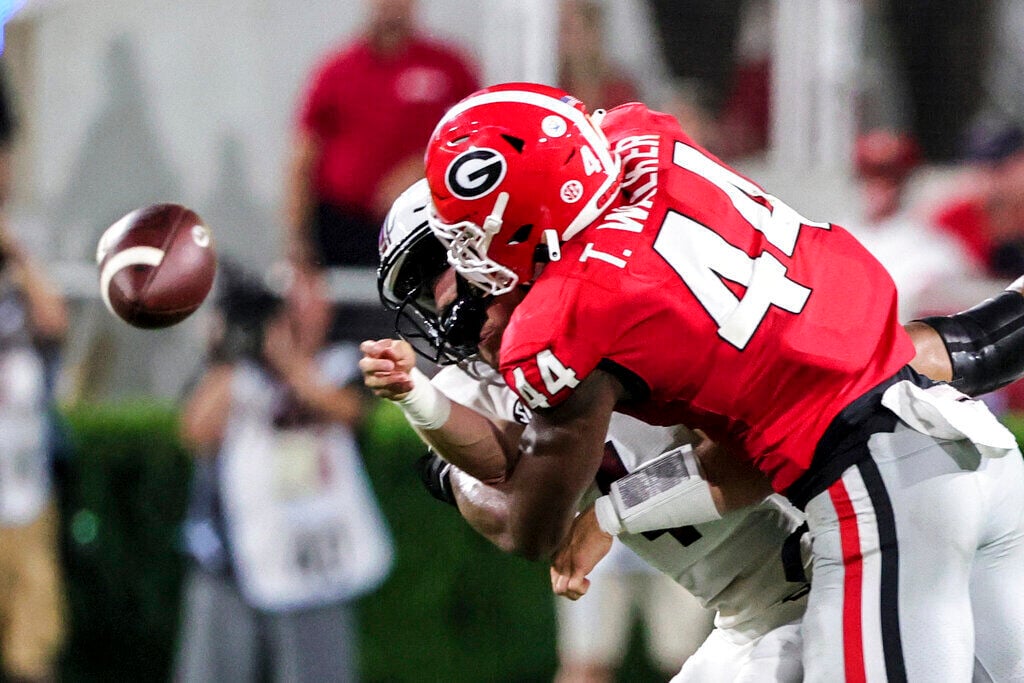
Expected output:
(475, 173)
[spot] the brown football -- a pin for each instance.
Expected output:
(156, 265)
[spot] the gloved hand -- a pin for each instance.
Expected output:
(435, 474)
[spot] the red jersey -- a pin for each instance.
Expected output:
(722, 308)
(370, 112)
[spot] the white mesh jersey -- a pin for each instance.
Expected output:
(732, 565)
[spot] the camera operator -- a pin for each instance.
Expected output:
(283, 529)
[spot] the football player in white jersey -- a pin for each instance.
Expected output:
(733, 564)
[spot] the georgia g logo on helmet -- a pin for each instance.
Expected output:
(475, 172)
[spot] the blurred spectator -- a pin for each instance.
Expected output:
(1005, 59)
(283, 529)
(719, 57)
(688, 104)
(33, 322)
(940, 48)
(595, 631)
(363, 124)
(990, 221)
(745, 115)
(699, 40)
(583, 65)
(919, 257)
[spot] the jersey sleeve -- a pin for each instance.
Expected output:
(554, 341)
(483, 391)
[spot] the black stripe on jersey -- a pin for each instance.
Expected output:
(684, 535)
(844, 443)
(892, 646)
(792, 556)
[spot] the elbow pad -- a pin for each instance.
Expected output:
(668, 492)
(985, 343)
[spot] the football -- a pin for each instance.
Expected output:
(156, 265)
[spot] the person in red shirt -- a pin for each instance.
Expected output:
(360, 134)
(647, 277)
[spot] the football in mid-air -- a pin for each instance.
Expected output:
(156, 265)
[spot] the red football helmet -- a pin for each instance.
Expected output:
(510, 168)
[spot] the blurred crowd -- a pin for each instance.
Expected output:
(283, 532)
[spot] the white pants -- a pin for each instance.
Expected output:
(729, 657)
(918, 565)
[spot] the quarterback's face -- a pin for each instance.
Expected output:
(498, 313)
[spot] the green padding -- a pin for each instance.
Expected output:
(123, 494)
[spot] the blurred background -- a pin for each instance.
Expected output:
(900, 119)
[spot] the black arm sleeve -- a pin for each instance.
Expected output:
(985, 343)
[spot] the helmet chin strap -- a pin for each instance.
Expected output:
(492, 224)
(550, 238)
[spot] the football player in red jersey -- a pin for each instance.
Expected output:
(656, 281)
(738, 565)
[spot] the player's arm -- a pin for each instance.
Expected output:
(560, 452)
(735, 483)
(681, 487)
(479, 446)
(978, 350)
(486, 509)
(932, 359)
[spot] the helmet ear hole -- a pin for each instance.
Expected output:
(521, 235)
(517, 143)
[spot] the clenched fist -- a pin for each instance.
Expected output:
(386, 364)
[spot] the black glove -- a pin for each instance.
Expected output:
(435, 474)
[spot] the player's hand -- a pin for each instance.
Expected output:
(584, 547)
(435, 475)
(386, 364)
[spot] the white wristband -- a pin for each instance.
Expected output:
(607, 518)
(425, 406)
